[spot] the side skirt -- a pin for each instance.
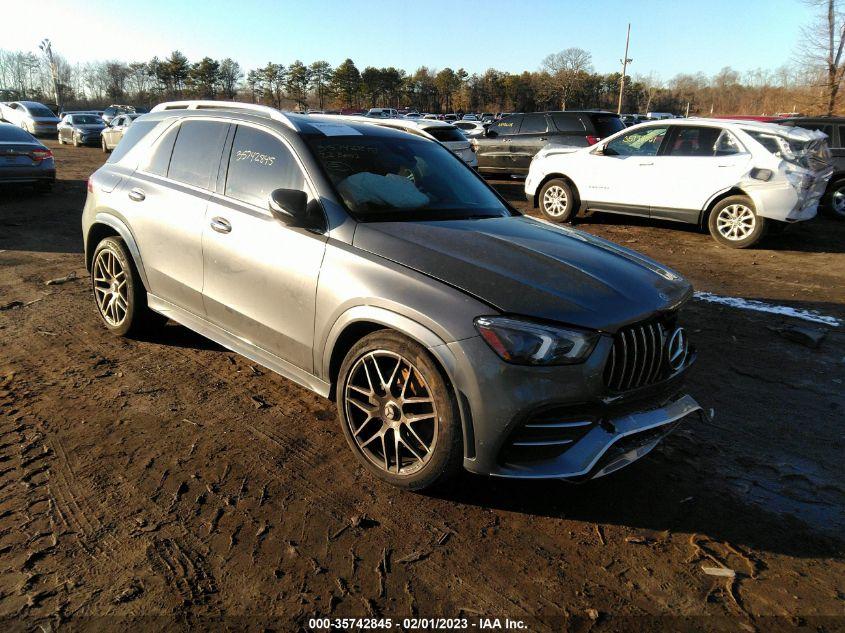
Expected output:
(238, 345)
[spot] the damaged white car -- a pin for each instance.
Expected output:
(737, 178)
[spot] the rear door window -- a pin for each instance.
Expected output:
(197, 151)
(693, 141)
(508, 126)
(258, 164)
(568, 122)
(534, 124)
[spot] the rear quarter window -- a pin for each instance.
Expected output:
(568, 122)
(130, 139)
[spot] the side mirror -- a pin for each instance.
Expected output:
(289, 205)
(601, 150)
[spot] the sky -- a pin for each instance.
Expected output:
(667, 37)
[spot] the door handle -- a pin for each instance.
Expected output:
(221, 225)
(136, 194)
(543, 138)
(645, 164)
(727, 165)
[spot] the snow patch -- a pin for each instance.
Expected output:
(761, 306)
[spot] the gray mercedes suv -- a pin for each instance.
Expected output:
(374, 267)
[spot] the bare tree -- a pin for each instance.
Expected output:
(566, 70)
(823, 48)
(652, 84)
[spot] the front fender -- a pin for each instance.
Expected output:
(381, 316)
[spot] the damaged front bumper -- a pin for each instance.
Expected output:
(609, 446)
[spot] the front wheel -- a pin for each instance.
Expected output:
(734, 223)
(557, 201)
(836, 199)
(398, 414)
(76, 142)
(105, 147)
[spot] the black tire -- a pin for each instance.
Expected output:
(443, 456)
(835, 203)
(733, 222)
(138, 318)
(557, 200)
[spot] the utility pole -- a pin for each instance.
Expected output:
(625, 61)
(47, 48)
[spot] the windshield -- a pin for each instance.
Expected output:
(403, 179)
(87, 119)
(813, 154)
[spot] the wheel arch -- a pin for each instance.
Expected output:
(358, 322)
(555, 176)
(716, 199)
(106, 225)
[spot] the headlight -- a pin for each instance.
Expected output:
(529, 343)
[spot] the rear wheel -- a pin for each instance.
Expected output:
(118, 290)
(734, 223)
(397, 412)
(836, 199)
(557, 201)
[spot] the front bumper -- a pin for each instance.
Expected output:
(607, 447)
(498, 401)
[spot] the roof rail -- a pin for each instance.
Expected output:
(194, 104)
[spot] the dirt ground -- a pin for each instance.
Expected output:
(139, 480)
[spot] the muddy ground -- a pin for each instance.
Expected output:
(139, 480)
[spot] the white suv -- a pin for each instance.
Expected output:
(735, 177)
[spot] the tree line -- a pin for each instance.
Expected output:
(564, 80)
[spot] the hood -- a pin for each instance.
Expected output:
(521, 266)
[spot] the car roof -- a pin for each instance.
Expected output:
(311, 125)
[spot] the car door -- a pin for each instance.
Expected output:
(494, 152)
(168, 196)
(695, 163)
(532, 137)
(620, 173)
(260, 278)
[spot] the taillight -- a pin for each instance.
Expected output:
(592, 140)
(90, 184)
(38, 155)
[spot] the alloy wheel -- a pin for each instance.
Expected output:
(837, 201)
(555, 201)
(736, 222)
(110, 289)
(391, 412)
